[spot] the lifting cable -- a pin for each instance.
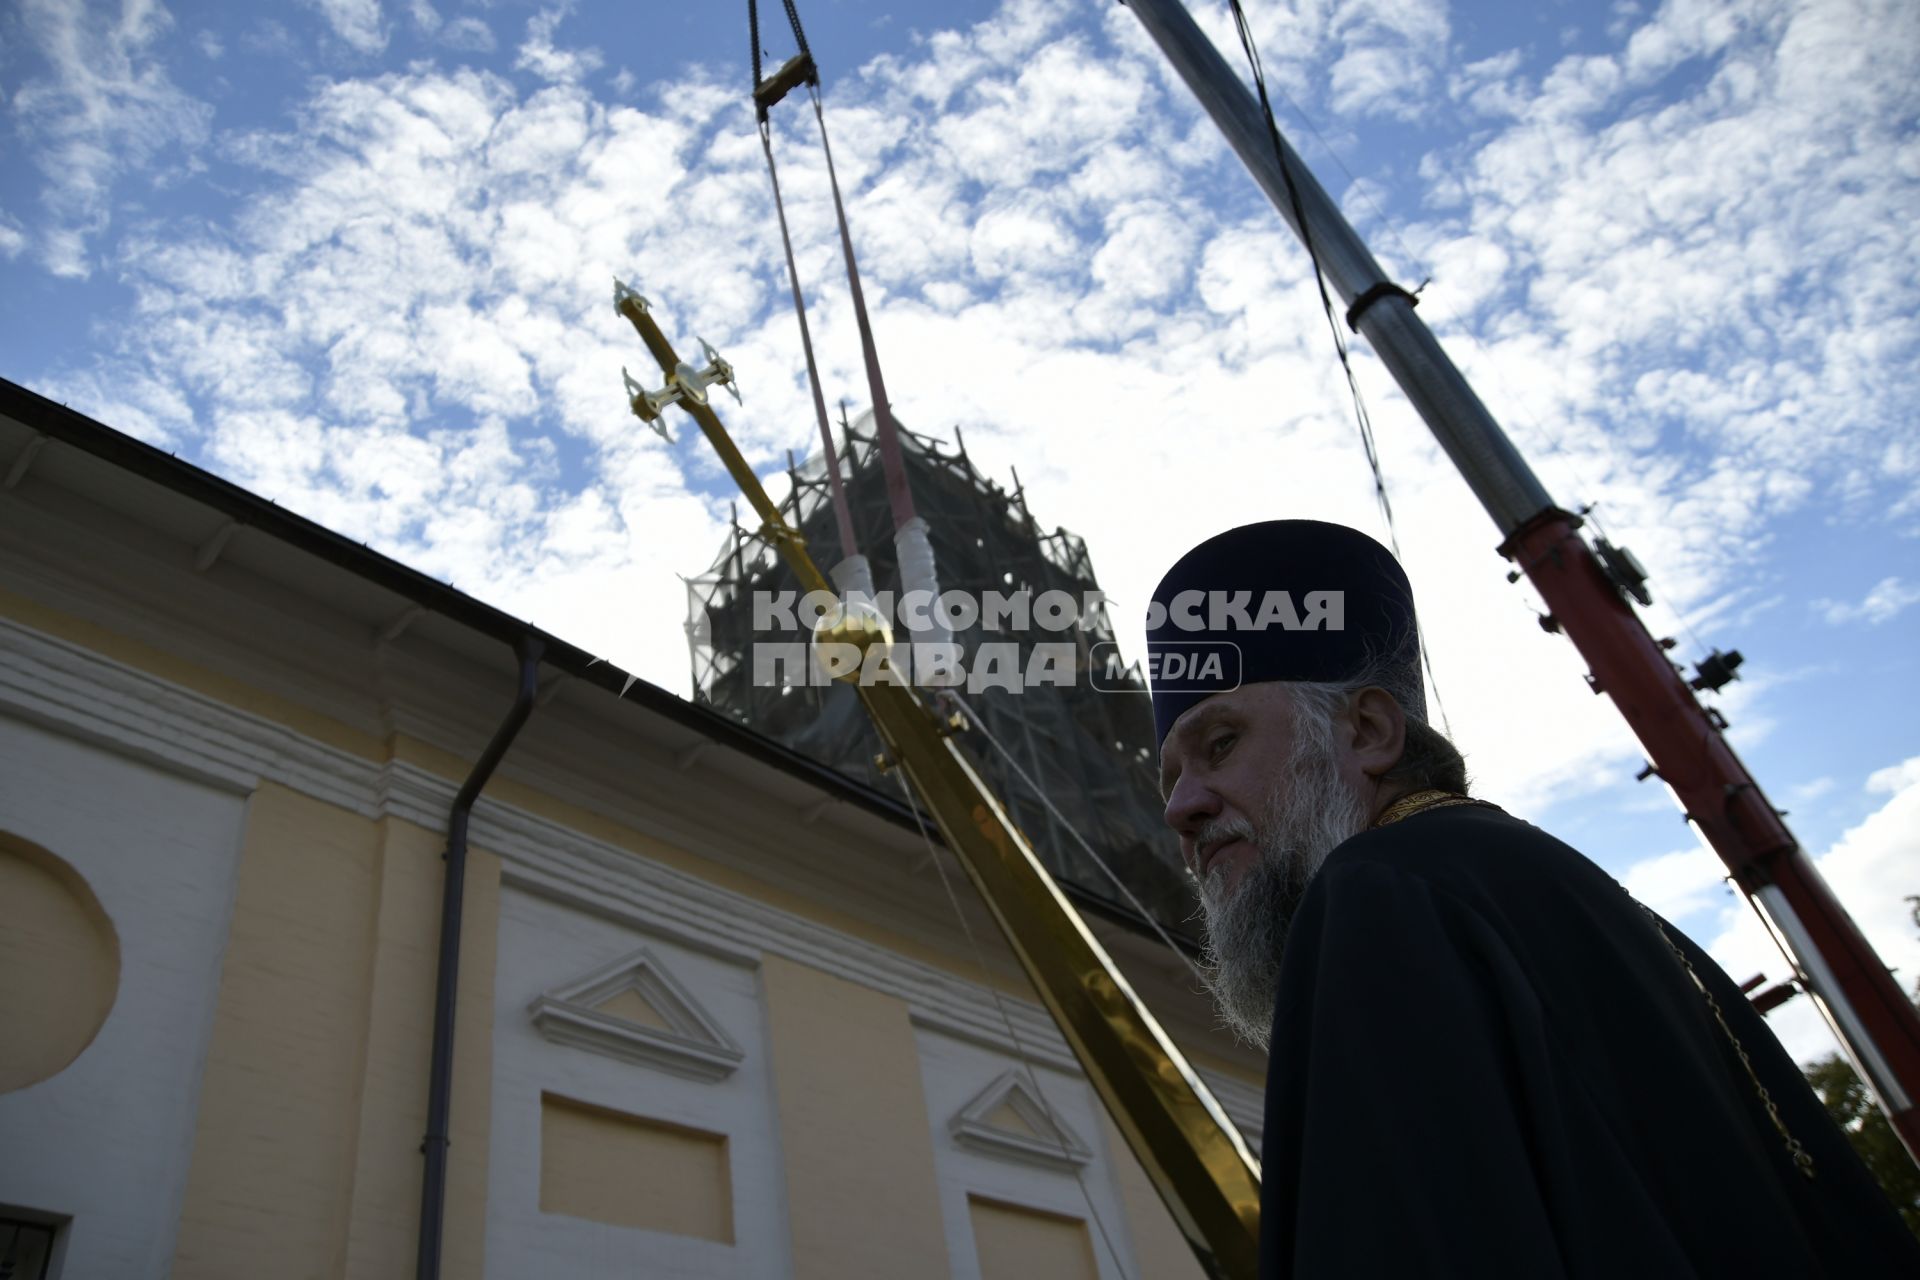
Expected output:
(800, 64)
(977, 721)
(911, 542)
(1339, 340)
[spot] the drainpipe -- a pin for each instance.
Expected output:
(433, 1187)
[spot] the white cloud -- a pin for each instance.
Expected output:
(1679, 884)
(468, 33)
(1724, 270)
(1019, 237)
(1364, 57)
(1807, 792)
(408, 336)
(540, 55)
(1887, 598)
(355, 21)
(1391, 52)
(1146, 254)
(104, 107)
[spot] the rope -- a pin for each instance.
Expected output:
(753, 38)
(999, 1004)
(980, 723)
(843, 517)
(753, 34)
(799, 36)
(1333, 326)
(899, 495)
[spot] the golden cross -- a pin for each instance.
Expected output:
(687, 387)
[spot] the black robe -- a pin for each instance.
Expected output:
(1487, 1063)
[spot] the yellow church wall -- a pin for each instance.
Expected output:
(1014, 1242)
(306, 1154)
(632, 1171)
(273, 1149)
(594, 825)
(862, 1193)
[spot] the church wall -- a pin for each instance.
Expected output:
(535, 1227)
(622, 1170)
(612, 789)
(306, 1158)
(1160, 1249)
(789, 921)
(76, 622)
(1013, 1242)
(107, 1141)
(59, 963)
(957, 1075)
(274, 1149)
(861, 1188)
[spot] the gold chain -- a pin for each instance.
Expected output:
(1801, 1159)
(1421, 801)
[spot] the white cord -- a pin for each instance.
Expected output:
(1079, 839)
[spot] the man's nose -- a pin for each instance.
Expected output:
(1190, 805)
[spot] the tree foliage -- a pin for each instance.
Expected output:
(1854, 1110)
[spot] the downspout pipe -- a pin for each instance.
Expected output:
(433, 1185)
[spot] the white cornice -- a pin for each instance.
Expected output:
(53, 682)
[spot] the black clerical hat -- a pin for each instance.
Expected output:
(1279, 600)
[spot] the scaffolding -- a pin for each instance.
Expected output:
(1090, 748)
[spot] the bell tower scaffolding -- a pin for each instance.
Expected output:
(1089, 747)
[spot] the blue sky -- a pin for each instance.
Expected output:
(357, 255)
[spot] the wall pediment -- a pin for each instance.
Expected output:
(1009, 1120)
(636, 1010)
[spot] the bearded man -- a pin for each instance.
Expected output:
(1485, 1058)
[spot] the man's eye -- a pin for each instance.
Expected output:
(1217, 747)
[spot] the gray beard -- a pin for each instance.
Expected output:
(1309, 813)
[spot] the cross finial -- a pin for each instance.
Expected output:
(686, 385)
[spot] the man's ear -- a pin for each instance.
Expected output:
(1378, 729)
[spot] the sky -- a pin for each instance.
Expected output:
(357, 255)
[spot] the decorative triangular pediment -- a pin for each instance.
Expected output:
(636, 1010)
(1008, 1119)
